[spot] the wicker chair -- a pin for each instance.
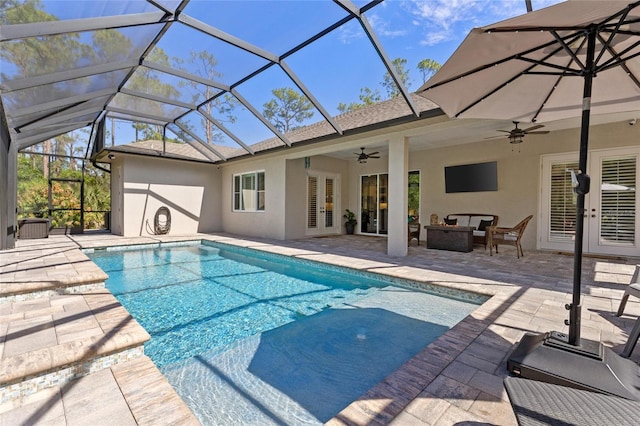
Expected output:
(507, 236)
(413, 231)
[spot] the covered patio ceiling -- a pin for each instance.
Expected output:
(199, 71)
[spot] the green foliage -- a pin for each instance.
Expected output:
(427, 68)
(33, 186)
(389, 84)
(367, 97)
(288, 109)
(350, 217)
(204, 64)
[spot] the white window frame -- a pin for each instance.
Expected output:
(248, 199)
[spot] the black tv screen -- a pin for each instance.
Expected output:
(471, 177)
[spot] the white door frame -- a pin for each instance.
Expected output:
(321, 207)
(592, 241)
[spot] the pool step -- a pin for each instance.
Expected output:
(50, 341)
(130, 393)
(59, 268)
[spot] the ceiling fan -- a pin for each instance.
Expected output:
(363, 156)
(515, 135)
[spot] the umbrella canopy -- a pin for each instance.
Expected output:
(559, 62)
(530, 68)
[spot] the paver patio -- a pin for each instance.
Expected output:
(457, 378)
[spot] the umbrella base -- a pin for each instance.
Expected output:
(590, 366)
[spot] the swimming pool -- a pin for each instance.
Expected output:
(257, 338)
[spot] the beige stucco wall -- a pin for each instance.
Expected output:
(284, 216)
(190, 190)
(269, 223)
(200, 196)
(296, 204)
(519, 180)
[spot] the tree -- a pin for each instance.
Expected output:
(427, 68)
(367, 97)
(149, 81)
(204, 64)
(389, 84)
(288, 109)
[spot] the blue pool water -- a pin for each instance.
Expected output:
(257, 338)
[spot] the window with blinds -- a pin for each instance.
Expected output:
(618, 200)
(249, 192)
(312, 202)
(563, 203)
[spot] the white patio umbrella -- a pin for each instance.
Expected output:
(566, 60)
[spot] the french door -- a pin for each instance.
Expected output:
(611, 207)
(322, 204)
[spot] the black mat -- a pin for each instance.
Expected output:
(537, 403)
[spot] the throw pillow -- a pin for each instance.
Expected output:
(483, 225)
(451, 221)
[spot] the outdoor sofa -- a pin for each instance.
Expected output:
(480, 221)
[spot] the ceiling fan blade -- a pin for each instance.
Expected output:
(372, 153)
(505, 131)
(539, 132)
(372, 156)
(533, 128)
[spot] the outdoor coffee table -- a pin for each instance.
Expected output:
(454, 238)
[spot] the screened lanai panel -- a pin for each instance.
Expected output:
(57, 114)
(211, 153)
(169, 86)
(43, 94)
(64, 52)
(278, 99)
(346, 70)
(228, 112)
(204, 55)
(147, 106)
(276, 26)
(76, 9)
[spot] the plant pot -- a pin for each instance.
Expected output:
(350, 227)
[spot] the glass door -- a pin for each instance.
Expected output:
(611, 207)
(374, 204)
(321, 207)
(612, 213)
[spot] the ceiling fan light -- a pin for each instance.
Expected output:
(515, 139)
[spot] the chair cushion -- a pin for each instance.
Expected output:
(463, 220)
(479, 233)
(476, 220)
(483, 224)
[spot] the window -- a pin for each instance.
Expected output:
(248, 192)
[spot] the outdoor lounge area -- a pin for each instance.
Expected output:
(456, 379)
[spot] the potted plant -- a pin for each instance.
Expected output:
(350, 222)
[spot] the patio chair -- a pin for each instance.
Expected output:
(633, 289)
(538, 403)
(507, 236)
(413, 231)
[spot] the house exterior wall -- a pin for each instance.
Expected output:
(190, 190)
(284, 216)
(296, 203)
(145, 186)
(269, 223)
(519, 173)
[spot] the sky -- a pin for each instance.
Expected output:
(334, 68)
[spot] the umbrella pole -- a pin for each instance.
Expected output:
(575, 309)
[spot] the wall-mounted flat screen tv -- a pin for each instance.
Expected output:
(471, 177)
